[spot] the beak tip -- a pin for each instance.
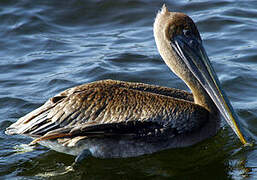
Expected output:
(247, 141)
(246, 144)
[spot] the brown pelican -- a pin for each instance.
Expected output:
(111, 118)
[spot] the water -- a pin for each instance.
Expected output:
(48, 46)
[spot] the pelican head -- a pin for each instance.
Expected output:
(180, 46)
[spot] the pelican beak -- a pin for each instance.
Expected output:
(190, 49)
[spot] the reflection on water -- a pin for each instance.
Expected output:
(169, 163)
(48, 46)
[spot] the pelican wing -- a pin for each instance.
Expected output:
(108, 108)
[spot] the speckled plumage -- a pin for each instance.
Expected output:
(109, 109)
(109, 102)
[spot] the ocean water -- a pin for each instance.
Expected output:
(49, 46)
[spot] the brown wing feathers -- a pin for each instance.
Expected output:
(107, 108)
(134, 129)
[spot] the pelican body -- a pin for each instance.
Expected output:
(111, 118)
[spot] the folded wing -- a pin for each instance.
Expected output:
(113, 108)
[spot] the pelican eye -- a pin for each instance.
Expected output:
(186, 32)
(191, 39)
